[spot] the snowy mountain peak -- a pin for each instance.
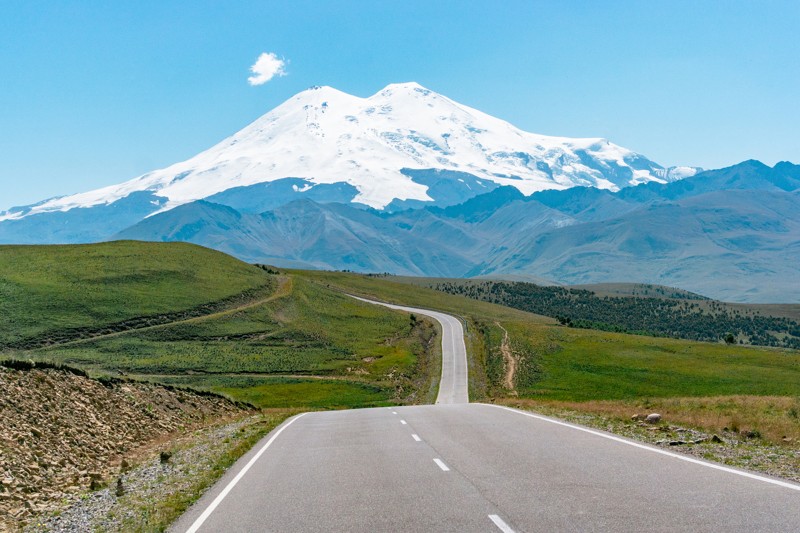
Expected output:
(325, 136)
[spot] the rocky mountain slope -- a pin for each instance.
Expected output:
(62, 432)
(731, 234)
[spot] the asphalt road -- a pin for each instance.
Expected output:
(474, 467)
(454, 385)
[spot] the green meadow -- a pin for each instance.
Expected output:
(295, 339)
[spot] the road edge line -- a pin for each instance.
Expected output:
(785, 484)
(221, 496)
(500, 523)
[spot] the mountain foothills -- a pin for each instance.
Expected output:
(731, 234)
(410, 182)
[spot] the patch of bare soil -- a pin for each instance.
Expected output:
(510, 361)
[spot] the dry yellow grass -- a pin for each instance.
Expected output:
(776, 418)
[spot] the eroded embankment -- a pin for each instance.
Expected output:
(62, 432)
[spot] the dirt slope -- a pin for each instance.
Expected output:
(62, 432)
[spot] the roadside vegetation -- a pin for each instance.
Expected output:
(712, 386)
(180, 314)
(286, 341)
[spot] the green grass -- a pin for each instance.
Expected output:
(563, 363)
(279, 392)
(311, 330)
(262, 350)
(581, 365)
(267, 353)
(46, 289)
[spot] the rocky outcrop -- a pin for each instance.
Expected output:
(62, 432)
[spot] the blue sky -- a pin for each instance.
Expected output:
(95, 93)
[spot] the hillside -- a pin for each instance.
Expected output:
(50, 293)
(708, 234)
(635, 308)
(304, 344)
(147, 310)
(62, 432)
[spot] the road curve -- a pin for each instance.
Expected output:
(454, 384)
(466, 467)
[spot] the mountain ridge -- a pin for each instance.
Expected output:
(324, 137)
(734, 244)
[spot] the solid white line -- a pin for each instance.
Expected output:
(686, 458)
(505, 528)
(403, 422)
(210, 509)
(441, 465)
(416, 437)
(443, 396)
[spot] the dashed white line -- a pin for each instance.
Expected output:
(505, 528)
(441, 465)
(394, 412)
(416, 437)
(403, 422)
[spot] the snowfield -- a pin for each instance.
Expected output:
(326, 136)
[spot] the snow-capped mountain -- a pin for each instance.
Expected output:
(373, 146)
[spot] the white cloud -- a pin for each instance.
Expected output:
(266, 67)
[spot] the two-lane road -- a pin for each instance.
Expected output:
(454, 384)
(465, 467)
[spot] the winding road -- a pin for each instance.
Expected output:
(463, 467)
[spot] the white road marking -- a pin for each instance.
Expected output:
(210, 509)
(441, 465)
(416, 437)
(403, 422)
(394, 412)
(505, 528)
(686, 458)
(458, 366)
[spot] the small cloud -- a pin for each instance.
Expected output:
(266, 67)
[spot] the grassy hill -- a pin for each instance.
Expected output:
(185, 315)
(645, 310)
(50, 289)
(705, 384)
(297, 340)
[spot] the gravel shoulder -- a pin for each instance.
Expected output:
(737, 449)
(64, 436)
(151, 495)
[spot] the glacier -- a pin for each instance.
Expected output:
(374, 145)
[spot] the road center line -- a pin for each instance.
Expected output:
(441, 465)
(394, 412)
(210, 509)
(505, 528)
(686, 458)
(416, 437)
(403, 422)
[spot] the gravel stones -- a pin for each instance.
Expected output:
(61, 433)
(653, 418)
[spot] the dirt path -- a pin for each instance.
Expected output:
(283, 289)
(511, 361)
